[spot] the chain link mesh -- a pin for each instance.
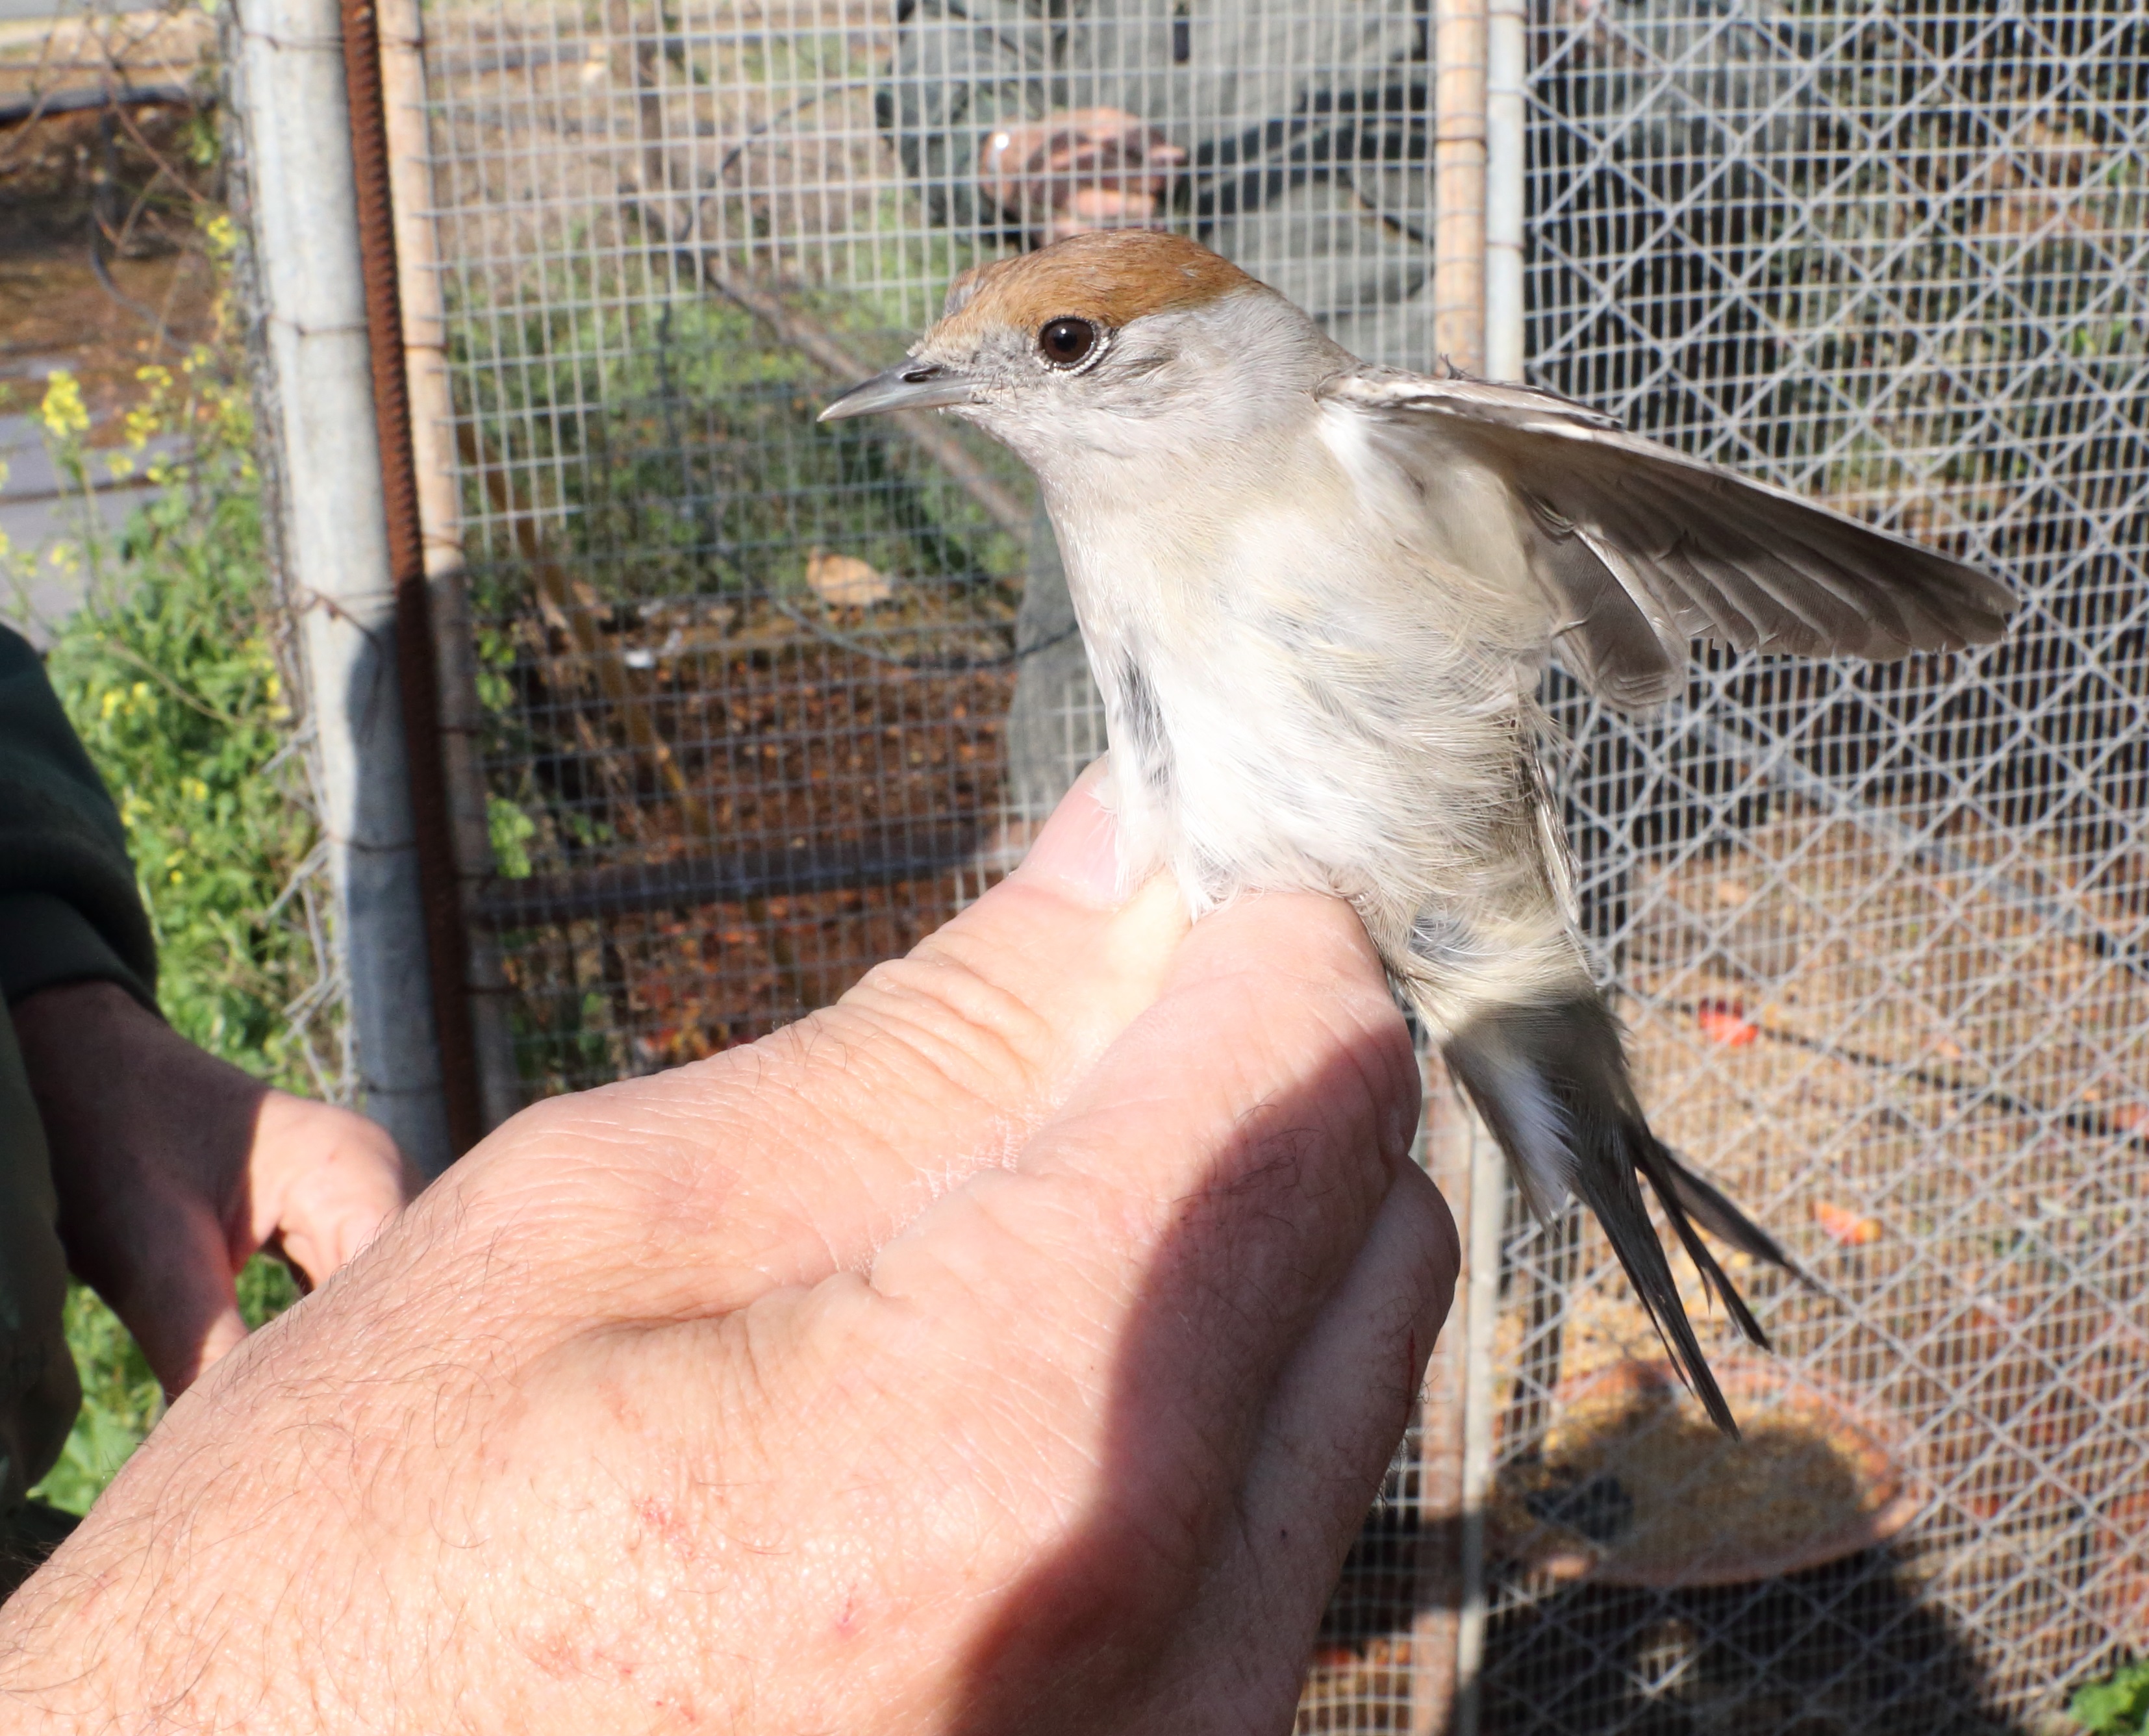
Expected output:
(1878, 932)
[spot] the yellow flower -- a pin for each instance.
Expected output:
(62, 410)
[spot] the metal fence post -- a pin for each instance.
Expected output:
(1506, 163)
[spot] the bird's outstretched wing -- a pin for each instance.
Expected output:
(1641, 549)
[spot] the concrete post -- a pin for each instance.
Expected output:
(328, 533)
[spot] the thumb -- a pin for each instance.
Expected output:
(323, 1182)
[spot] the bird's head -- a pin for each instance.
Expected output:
(1116, 342)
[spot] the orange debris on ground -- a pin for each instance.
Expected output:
(1846, 1226)
(1725, 1022)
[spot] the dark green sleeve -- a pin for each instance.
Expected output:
(69, 909)
(39, 1392)
(69, 913)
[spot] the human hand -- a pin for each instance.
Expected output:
(1014, 1347)
(1078, 169)
(174, 1168)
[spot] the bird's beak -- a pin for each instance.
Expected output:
(910, 385)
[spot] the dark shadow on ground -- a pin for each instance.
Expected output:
(1848, 1649)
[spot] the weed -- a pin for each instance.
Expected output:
(2118, 1705)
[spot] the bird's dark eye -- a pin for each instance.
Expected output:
(1066, 343)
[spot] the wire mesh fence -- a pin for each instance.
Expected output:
(1879, 931)
(764, 701)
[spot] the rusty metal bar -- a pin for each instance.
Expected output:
(414, 656)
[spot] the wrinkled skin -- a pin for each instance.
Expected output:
(1013, 1346)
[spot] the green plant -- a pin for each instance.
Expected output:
(2117, 1706)
(170, 673)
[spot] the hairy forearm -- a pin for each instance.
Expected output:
(162, 1609)
(215, 1581)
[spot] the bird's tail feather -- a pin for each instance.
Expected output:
(1551, 1083)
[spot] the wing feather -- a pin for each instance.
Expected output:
(1640, 548)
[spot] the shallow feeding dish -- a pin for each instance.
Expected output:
(1632, 1486)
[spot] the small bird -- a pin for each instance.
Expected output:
(1318, 597)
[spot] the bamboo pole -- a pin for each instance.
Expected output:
(461, 718)
(1481, 1267)
(1460, 49)
(1448, 1636)
(1434, 1628)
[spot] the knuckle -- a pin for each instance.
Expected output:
(952, 1018)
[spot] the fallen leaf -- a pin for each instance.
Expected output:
(845, 581)
(2131, 1118)
(1733, 892)
(1725, 1022)
(1844, 1226)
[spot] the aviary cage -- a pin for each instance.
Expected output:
(750, 704)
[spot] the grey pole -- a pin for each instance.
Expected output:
(328, 534)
